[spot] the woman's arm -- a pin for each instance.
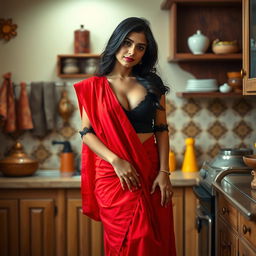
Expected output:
(124, 170)
(162, 139)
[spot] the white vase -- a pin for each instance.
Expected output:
(198, 43)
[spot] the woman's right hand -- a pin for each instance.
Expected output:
(126, 173)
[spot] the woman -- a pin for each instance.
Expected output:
(125, 175)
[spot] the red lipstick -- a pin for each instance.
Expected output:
(128, 59)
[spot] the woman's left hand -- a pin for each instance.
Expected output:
(163, 181)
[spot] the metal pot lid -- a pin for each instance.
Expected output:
(235, 151)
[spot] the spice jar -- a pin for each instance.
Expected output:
(82, 40)
(235, 81)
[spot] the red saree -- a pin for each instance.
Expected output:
(134, 223)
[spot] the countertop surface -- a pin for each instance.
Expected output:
(237, 188)
(53, 179)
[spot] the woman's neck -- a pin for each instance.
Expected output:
(120, 72)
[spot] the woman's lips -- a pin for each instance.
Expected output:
(128, 59)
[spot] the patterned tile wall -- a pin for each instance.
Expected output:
(214, 123)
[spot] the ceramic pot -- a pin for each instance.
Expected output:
(65, 107)
(90, 66)
(70, 66)
(225, 88)
(224, 47)
(198, 43)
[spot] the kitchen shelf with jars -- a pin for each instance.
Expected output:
(206, 41)
(80, 65)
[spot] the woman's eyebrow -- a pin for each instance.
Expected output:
(127, 38)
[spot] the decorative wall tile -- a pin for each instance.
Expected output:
(242, 129)
(217, 107)
(67, 131)
(217, 130)
(191, 108)
(170, 107)
(41, 153)
(214, 150)
(242, 107)
(172, 130)
(191, 129)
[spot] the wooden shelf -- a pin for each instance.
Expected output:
(166, 4)
(182, 57)
(75, 75)
(208, 94)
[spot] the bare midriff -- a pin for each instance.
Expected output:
(144, 136)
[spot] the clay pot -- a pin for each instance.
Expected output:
(18, 163)
(224, 47)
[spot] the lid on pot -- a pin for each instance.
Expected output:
(235, 151)
(231, 158)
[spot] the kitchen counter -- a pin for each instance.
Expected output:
(237, 188)
(52, 179)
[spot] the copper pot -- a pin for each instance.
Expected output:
(17, 163)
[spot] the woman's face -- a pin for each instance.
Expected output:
(132, 49)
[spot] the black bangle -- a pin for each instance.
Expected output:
(160, 128)
(86, 130)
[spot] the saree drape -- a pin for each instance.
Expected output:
(134, 222)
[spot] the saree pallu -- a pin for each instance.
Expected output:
(134, 222)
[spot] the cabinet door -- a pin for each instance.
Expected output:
(9, 244)
(84, 236)
(245, 250)
(37, 229)
(249, 46)
(227, 240)
(177, 201)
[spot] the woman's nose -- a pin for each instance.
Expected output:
(131, 50)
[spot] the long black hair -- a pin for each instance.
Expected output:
(145, 72)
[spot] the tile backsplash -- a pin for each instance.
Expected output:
(214, 123)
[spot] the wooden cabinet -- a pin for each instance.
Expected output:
(81, 64)
(9, 235)
(184, 214)
(45, 222)
(236, 234)
(214, 18)
(84, 236)
(227, 240)
(249, 47)
(30, 224)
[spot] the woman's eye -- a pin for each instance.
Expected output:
(127, 43)
(141, 48)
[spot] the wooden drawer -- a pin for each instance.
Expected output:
(245, 250)
(227, 212)
(247, 230)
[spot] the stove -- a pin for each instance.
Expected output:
(227, 161)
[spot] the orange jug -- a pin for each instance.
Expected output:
(172, 161)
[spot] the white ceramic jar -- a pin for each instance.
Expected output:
(70, 66)
(198, 43)
(225, 88)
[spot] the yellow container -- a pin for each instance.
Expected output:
(172, 161)
(189, 162)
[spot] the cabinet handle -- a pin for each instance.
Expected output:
(246, 229)
(243, 73)
(224, 210)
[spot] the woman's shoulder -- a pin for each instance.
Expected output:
(89, 82)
